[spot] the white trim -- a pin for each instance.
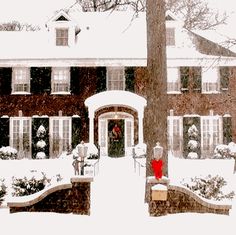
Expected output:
(20, 76)
(64, 77)
(21, 152)
(111, 115)
(60, 133)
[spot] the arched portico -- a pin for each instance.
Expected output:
(115, 98)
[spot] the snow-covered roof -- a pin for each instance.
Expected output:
(110, 36)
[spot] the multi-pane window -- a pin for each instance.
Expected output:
(60, 80)
(190, 78)
(173, 80)
(115, 78)
(20, 139)
(170, 36)
(60, 132)
(175, 135)
(20, 80)
(210, 80)
(211, 135)
(62, 37)
(128, 133)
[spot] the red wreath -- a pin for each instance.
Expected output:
(157, 168)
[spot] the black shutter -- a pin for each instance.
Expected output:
(224, 78)
(75, 80)
(36, 123)
(101, 79)
(197, 79)
(227, 129)
(184, 78)
(76, 131)
(5, 81)
(188, 121)
(4, 131)
(129, 79)
(40, 80)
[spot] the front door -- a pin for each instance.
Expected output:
(116, 143)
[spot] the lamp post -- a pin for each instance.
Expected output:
(79, 156)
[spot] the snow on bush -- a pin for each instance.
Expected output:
(2, 190)
(209, 187)
(223, 151)
(41, 144)
(33, 183)
(8, 153)
(40, 155)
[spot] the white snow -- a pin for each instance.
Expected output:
(117, 208)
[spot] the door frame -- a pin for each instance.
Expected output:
(103, 131)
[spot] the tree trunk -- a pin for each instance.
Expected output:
(155, 124)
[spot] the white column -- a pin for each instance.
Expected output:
(140, 126)
(91, 126)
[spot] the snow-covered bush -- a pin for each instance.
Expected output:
(193, 143)
(8, 153)
(2, 190)
(41, 144)
(223, 151)
(36, 181)
(210, 187)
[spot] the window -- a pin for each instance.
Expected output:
(62, 37)
(21, 80)
(211, 135)
(190, 78)
(170, 36)
(210, 81)
(61, 80)
(175, 136)
(20, 136)
(173, 81)
(60, 132)
(115, 78)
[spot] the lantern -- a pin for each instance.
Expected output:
(157, 151)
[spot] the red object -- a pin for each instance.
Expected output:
(157, 168)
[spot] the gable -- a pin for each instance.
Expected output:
(61, 18)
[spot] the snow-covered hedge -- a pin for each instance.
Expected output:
(223, 151)
(27, 185)
(2, 190)
(209, 187)
(8, 153)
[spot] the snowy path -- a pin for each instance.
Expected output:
(117, 208)
(117, 191)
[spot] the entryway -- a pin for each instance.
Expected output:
(116, 143)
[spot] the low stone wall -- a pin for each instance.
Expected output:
(180, 200)
(65, 198)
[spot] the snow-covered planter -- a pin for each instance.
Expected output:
(8, 153)
(2, 190)
(209, 187)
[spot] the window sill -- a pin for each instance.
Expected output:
(173, 92)
(20, 93)
(210, 92)
(61, 93)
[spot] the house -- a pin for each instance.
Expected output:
(82, 77)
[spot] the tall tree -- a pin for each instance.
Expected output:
(155, 124)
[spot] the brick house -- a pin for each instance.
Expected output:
(83, 73)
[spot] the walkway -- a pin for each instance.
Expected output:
(118, 191)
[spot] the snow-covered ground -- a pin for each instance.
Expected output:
(117, 207)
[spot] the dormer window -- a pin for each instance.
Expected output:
(62, 37)
(170, 36)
